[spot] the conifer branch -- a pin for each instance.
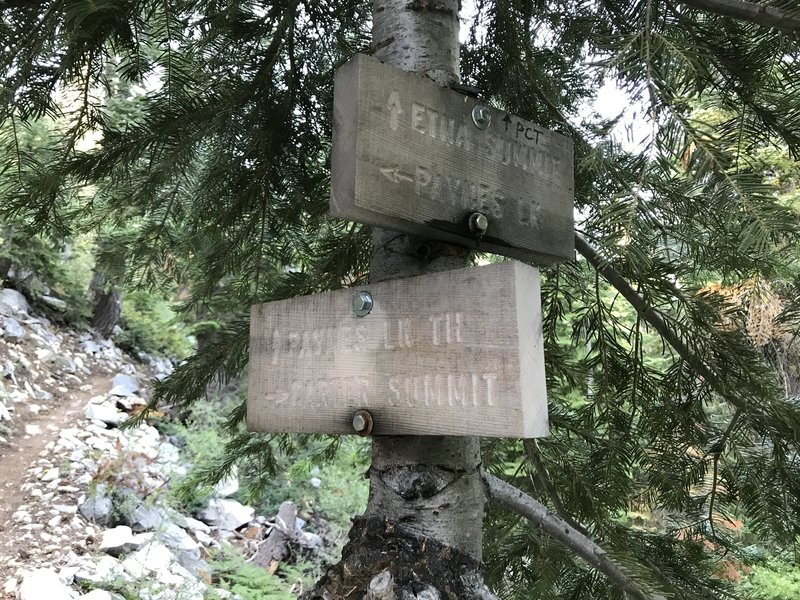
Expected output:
(17, 151)
(760, 14)
(506, 495)
(653, 318)
(716, 452)
(532, 451)
(713, 496)
(32, 34)
(273, 50)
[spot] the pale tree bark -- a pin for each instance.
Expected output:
(761, 14)
(422, 532)
(107, 308)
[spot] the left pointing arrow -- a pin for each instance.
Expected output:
(395, 175)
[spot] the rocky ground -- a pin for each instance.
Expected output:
(82, 503)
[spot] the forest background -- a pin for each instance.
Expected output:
(180, 150)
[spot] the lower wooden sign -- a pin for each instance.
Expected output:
(452, 353)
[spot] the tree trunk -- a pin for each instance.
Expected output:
(422, 532)
(107, 305)
(6, 237)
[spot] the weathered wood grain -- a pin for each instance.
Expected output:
(452, 353)
(408, 156)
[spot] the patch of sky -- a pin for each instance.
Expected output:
(632, 129)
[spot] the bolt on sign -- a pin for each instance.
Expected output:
(413, 156)
(452, 353)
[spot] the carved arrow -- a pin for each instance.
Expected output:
(395, 109)
(395, 175)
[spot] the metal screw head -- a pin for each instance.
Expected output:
(481, 116)
(478, 223)
(362, 422)
(362, 304)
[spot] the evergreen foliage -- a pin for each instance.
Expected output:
(216, 170)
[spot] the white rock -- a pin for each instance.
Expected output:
(44, 584)
(177, 539)
(117, 540)
(203, 538)
(225, 513)
(145, 518)
(65, 363)
(10, 586)
(42, 395)
(162, 367)
(311, 541)
(50, 474)
(97, 509)
(21, 516)
(14, 300)
(45, 354)
(26, 364)
(170, 454)
(152, 557)
(180, 571)
(105, 413)
(96, 570)
(32, 429)
(90, 347)
(11, 328)
(129, 402)
(123, 385)
(67, 573)
(53, 302)
(228, 486)
(195, 525)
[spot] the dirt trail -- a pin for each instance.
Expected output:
(23, 450)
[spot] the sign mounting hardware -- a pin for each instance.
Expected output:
(481, 116)
(362, 422)
(362, 304)
(478, 225)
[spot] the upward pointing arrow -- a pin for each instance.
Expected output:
(395, 110)
(507, 120)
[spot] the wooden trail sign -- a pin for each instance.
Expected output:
(451, 353)
(413, 156)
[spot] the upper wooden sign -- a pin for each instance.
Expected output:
(413, 156)
(452, 353)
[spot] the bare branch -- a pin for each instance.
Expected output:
(507, 496)
(760, 14)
